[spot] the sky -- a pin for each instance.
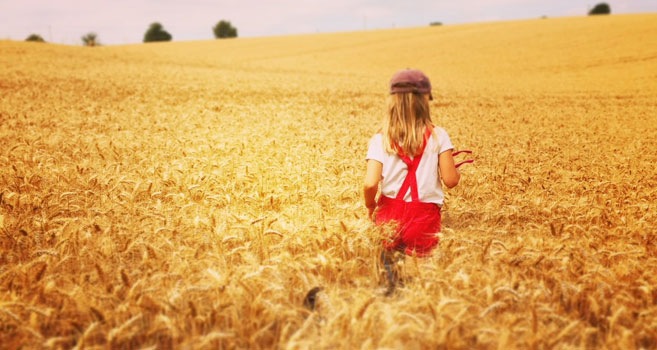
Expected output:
(126, 21)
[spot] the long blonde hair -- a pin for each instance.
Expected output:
(406, 122)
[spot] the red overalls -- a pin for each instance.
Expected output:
(418, 222)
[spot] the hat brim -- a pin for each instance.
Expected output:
(399, 90)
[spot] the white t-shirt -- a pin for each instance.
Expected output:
(427, 174)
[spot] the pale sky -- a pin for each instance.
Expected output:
(125, 21)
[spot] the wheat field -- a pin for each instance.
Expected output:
(188, 195)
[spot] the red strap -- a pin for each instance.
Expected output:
(465, 161)
(411, 179)
(459, 152)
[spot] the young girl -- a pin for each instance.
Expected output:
(409, 156)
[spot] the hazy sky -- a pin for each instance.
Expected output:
(125, 21)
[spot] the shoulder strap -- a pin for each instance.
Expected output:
(412, 164)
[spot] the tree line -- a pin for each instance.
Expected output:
(155, 32)
(600, 9)
(224, 29)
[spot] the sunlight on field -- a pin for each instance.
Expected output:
(190, 194)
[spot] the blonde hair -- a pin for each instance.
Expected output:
(406, 122)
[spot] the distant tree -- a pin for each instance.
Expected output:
(436, 23)
(90, 39)
(600, 9)
(35, 37)
(224, 29)
(156, 32)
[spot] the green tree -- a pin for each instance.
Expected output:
(600, 9)
(156, 32)
(224, 29)
(35, 37)
(90, 39)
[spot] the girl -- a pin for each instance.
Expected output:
(409, 156)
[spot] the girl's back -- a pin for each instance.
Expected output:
(394, 169)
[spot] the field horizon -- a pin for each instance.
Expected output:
(190, 194)
(356, 31)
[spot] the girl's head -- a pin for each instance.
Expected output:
(408, 112)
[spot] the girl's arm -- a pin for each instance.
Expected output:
(448, 171)
(371, 187)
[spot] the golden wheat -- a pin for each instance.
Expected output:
(189, 195)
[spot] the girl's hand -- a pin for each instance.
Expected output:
(371, 186)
